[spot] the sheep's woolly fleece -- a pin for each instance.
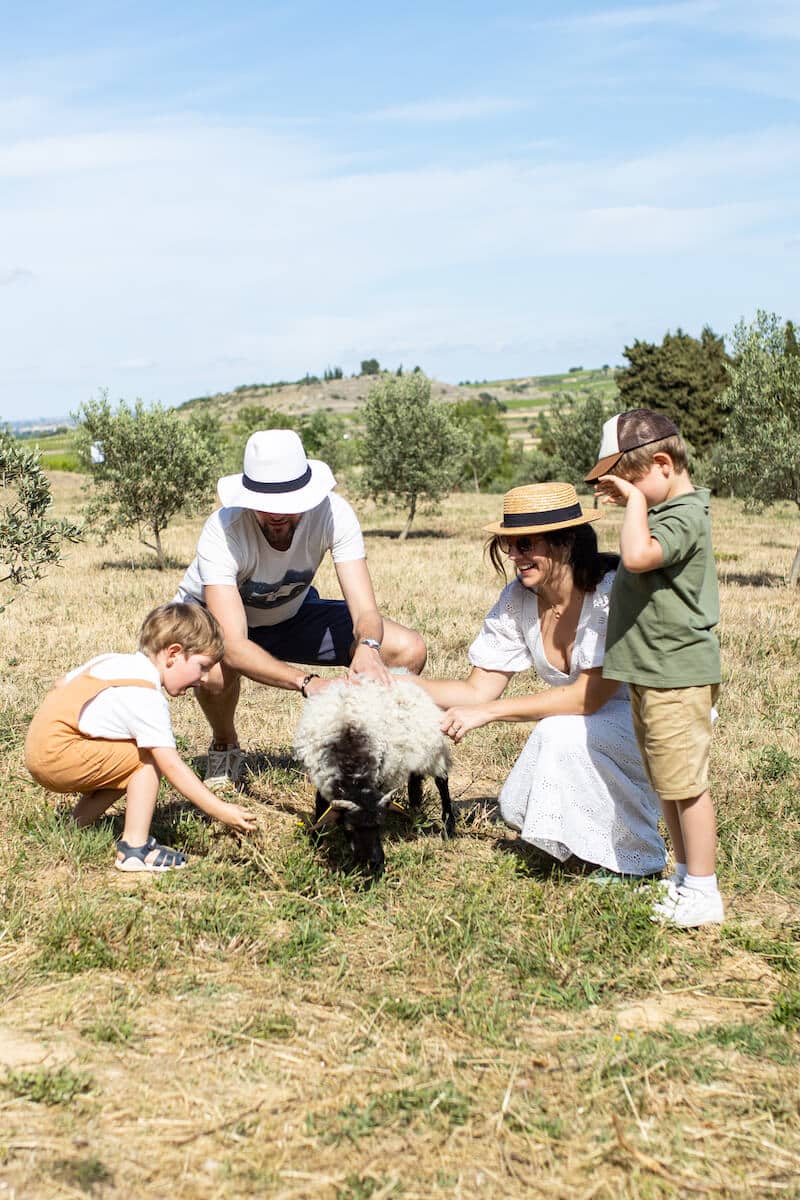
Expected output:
(399, 726)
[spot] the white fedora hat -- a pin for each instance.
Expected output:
(277, 476)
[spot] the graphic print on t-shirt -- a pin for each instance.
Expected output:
(258, 594)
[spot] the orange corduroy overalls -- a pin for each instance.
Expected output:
(62, 758)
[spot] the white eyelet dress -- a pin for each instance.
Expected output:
(579, 786)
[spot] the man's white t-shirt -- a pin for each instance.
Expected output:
(273, 584)
(126, 713)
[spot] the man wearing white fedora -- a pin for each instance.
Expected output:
(256, 560)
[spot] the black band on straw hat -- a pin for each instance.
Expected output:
(570, 513)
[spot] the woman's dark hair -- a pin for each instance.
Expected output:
(587, 563)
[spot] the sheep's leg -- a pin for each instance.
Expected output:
(448, 816)
(320, 806)
(414, 791)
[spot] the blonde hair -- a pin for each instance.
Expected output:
(190, 626)
(635, 463)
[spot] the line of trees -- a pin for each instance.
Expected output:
(738, 409)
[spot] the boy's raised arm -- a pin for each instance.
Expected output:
(639, 550)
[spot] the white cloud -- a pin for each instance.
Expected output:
(769, 19)
(135, 364)
(182, 258)
(687, 12)
(642, 16)
(10, 275)
(32, 157)
(467, 108)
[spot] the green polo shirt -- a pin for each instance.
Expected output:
(661, 622)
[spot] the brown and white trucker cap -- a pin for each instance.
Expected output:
(627, 431)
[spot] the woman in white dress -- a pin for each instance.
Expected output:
(579, 786)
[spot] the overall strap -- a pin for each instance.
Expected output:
(88, 686)
(70, 699)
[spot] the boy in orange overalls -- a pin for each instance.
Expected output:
(105, 730)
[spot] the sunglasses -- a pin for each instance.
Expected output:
(520, 544)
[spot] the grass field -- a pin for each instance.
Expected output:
(56, 450)
(474, 1025)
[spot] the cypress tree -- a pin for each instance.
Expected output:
(683, 377)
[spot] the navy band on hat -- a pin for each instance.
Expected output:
(570, 513)
(291, 485)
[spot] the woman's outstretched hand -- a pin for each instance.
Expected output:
(457, 722)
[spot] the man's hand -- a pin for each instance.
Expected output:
(315, 685)
(610, 489)
(368, 664)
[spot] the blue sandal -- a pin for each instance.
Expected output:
(134, 858)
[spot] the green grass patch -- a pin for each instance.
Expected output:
(438, 1103)
(362, 1187)
(754, 1040)
(85, 1174)
(787, 1010)
(42, 1086)
(782, 955)
(772, 763)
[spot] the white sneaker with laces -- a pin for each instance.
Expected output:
(690, 908)
(661, 889)
(224, 766)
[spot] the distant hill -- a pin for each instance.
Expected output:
(522, 398)
(304, 396)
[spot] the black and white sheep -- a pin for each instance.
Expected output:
(359, 743)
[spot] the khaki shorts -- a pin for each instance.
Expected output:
(673, 729)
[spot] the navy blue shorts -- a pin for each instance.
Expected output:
(320, 634)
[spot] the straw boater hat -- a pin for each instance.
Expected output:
(541, 508)
(277, 476)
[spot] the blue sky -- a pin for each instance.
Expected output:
(197, 196)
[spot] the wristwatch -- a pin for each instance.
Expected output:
(373, 645)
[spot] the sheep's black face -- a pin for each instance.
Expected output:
(366, 848)
(361, 808)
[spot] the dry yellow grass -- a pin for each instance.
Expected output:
(472, 1027)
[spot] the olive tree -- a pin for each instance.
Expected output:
(30, 540)
(412, 448)
(760, 456)
(146, 465)
(489, 459)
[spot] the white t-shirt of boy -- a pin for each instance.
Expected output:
(126, 713)
(232, 549)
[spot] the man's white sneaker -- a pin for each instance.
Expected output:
(690, 908)
(224, 766)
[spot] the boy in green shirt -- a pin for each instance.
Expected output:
(661, 641)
